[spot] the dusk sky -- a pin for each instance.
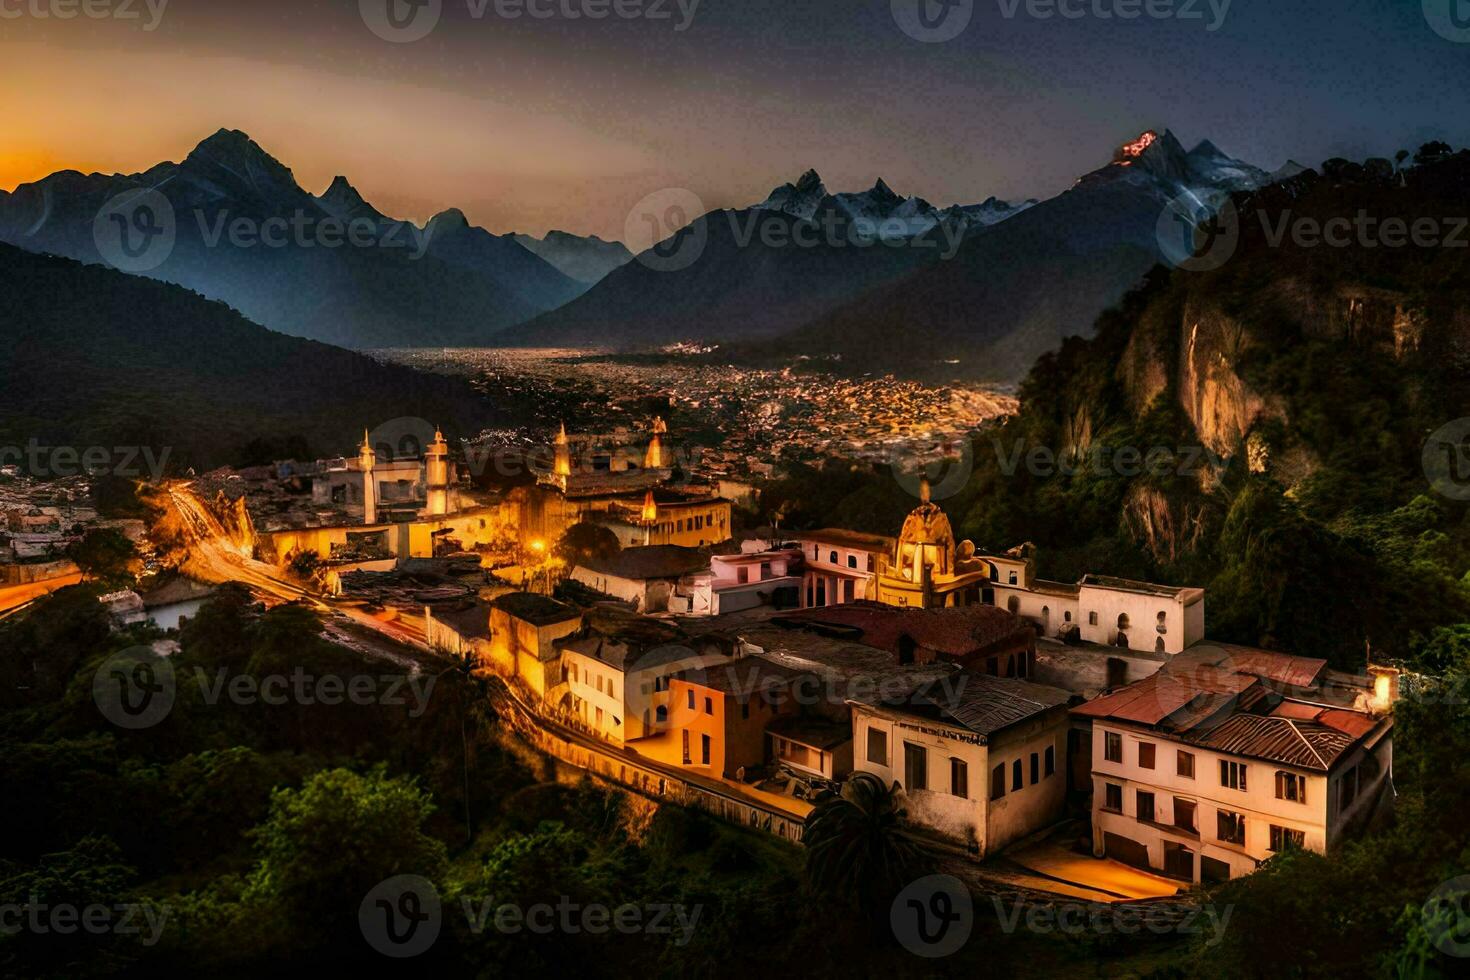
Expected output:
(531, 124)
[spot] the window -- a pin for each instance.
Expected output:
(1290, 786)
(852, 561)
(1113, 797)
(1185, 815)
(1067, 616)
(1012, 580)
(1035, 768)
(1232, 775)
(1016, 781)
(709, 706)
(1013, 605)
(998, 781)
(915, 766)
(1145, 802)
(1112, 747)
(1051, 760)
(599, 717)
(661, 714)
(959, 778)
(832, 558)
(1283, 838)
(1230, 827)
(1092, 619)
(691, 700)
(599, 684)
(1163, 622)
(1185, 765)
(704, 749)
(1145, 755)
(878, 746)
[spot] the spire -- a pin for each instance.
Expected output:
(561, 437)
(650, 509)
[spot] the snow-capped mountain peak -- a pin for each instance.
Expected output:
(800, 199)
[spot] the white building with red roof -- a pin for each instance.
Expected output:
(1229, 755)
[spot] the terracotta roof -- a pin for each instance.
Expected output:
(1304, 744)
(1240, 701)
(742, 677)
(955, 632)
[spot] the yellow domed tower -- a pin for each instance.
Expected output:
(930, 569)
(436, 475)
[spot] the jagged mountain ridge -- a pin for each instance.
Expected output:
(585, 258)
(1015, 291)
(389, 286)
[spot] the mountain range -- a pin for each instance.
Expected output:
(90, 356)
(978, 290)
(330, 267)
(892, 282)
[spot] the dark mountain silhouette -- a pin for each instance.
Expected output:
(332, 268)
(92, 357)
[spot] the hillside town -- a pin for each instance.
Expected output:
(639, 634)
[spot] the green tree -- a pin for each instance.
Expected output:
(857, 851)
(326, 845)
(104, 554)
(583, 542)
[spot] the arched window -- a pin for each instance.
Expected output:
(1066, 615)
(832, 557)
(662, 714)
(1163, 622)
(1122, 621)
(852, 561)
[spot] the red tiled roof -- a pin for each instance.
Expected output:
(955, 632)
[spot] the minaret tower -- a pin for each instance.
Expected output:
(366, 459)
(436, 475)
(649, 517)
(561, 470)
(655, 458)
